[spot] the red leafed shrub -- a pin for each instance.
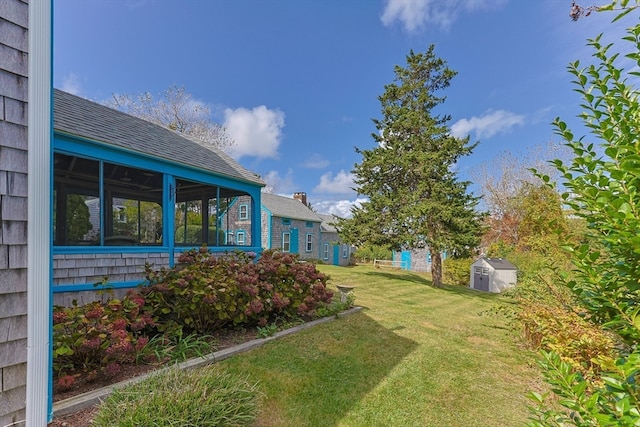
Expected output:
(210, 291)
(94, 336)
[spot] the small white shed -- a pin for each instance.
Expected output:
(493, 275)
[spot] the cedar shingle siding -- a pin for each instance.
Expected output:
(13, 210)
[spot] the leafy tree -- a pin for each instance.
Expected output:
(507, 182)
(543, 227)
(78, 223)
(178, 111)
(414, 196)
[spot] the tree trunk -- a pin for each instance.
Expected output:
(436, 269)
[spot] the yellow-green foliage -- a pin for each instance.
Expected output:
(456, 271)
(583, 345)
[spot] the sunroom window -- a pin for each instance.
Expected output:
(205, 214)
(127, 210)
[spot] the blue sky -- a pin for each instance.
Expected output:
(296, 82)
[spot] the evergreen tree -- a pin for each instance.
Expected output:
(414, 195)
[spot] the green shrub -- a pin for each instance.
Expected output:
(194, 234)
(199, 397)
(456, 271)
(370, 252)
(209, 292)
(601, 186)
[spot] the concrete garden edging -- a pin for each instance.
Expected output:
(94, 397)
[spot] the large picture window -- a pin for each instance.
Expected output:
(100, 203)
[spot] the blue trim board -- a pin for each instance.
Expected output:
(95, 150)
(91, 287)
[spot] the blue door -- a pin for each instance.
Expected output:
(294, 241)
(336, 255)
(405, 260)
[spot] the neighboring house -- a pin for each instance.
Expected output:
(290, 226)
(332, 249)
(127, 192)
(417, 259)
(493, 275)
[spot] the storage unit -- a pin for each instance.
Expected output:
(493, 275)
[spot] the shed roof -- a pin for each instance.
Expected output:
(86, 119)
(500, 264)
(286, 207)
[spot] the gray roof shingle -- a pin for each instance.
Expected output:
(328, 223)
(286, 207)
(86, 119)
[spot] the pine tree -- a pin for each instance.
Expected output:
(414, 195)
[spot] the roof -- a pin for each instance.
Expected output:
(286, 207)
(86, 119)
(500, 264)
(328, 223)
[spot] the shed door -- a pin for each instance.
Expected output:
(481, 278)
(336, 255)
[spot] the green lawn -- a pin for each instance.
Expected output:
(414, 356)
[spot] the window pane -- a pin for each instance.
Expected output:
(208, 214)
(188, 222)
(133, 205)
(76, 214)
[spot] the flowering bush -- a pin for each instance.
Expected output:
(205, 293)
(97, 337)
(208, 292)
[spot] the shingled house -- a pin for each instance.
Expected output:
(332, 249)
(127, 192)
(290, 226)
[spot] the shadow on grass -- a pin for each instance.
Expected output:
(314, 378)
(420, 279)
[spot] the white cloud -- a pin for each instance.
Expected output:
(340, 208)
(487, 125)
(316, 161)
(256, 132)
(342, 183)
(71, 83)
(416, 14)
(279, 184)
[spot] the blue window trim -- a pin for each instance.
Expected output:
(286, 221)
(345, 251)
(244, 237)
(326, 251)
(286, 233)
(243, 216)
(309, 224)
(307, 243)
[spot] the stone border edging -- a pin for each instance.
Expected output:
(91, 398)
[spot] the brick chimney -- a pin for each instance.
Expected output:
(301, 196)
